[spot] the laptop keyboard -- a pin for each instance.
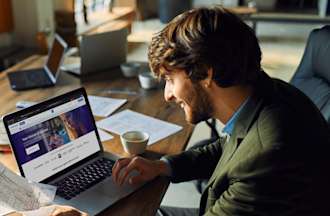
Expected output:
(38, 77)
(85, 178)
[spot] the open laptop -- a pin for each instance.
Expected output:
(53, 144)
(41, 77)
(99, 52)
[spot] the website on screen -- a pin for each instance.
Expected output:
(55, 139)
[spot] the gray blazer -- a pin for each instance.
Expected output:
(276, 162)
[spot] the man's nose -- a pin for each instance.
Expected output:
(168, 94)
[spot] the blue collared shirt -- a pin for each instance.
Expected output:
(229, 127)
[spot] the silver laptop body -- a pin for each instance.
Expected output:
(100, 51)
(52, 143)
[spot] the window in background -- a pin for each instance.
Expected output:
(86, 8)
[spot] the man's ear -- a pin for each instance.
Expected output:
(207, 82)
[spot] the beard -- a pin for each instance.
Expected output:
(200, 106)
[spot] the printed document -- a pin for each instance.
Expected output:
(17, 194)
(104, 106)
(128, 120)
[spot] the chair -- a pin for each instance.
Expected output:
(313, 74)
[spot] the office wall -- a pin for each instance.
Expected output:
(5, 39)
(25, 22)
(30, 17)
(45, 11)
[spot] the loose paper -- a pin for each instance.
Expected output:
(104, 106)
(3, 134)
(18, 194)
(129, 120)
(104, 136)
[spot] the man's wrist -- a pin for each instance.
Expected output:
(164, 168)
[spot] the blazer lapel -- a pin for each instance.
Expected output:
(244, 121)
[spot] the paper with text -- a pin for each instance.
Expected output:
(104, 106)
(17, 194)
(129, 120)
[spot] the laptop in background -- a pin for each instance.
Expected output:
(41, 77)
(99, 52)
(52, 144)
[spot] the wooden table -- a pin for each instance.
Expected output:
(147, 199)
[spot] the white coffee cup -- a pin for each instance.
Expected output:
(147, 80)
(130, 69)
(134, 142)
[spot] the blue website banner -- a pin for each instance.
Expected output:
(52, 134)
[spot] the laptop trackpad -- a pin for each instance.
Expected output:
(88, 201)
(113, 191)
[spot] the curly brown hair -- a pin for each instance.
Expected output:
(205, 38)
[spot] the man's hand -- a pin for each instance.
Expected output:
(147, 170)
(67, 211)
(58, 211)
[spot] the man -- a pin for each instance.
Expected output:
(275, 159)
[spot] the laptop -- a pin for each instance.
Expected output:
(41, 77)
(99, 52)
(52, 144)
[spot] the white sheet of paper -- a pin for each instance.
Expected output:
(128, 120)
(17, 194)
(104, 106)
(104, 136)
(3, 134)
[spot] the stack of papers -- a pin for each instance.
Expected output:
(104, 106)
(129, 120)
(17, 194)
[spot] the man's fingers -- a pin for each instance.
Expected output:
(134, 180)
(67, 211)
(120, 163)
(128, 169)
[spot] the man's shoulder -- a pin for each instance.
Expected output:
(289, 116)
(284, 103)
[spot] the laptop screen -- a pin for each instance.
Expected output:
(55, 55)
(53, 137)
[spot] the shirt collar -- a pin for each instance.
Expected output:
(229, 127)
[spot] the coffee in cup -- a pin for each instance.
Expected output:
(134, 142)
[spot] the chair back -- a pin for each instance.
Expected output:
(313, 73)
